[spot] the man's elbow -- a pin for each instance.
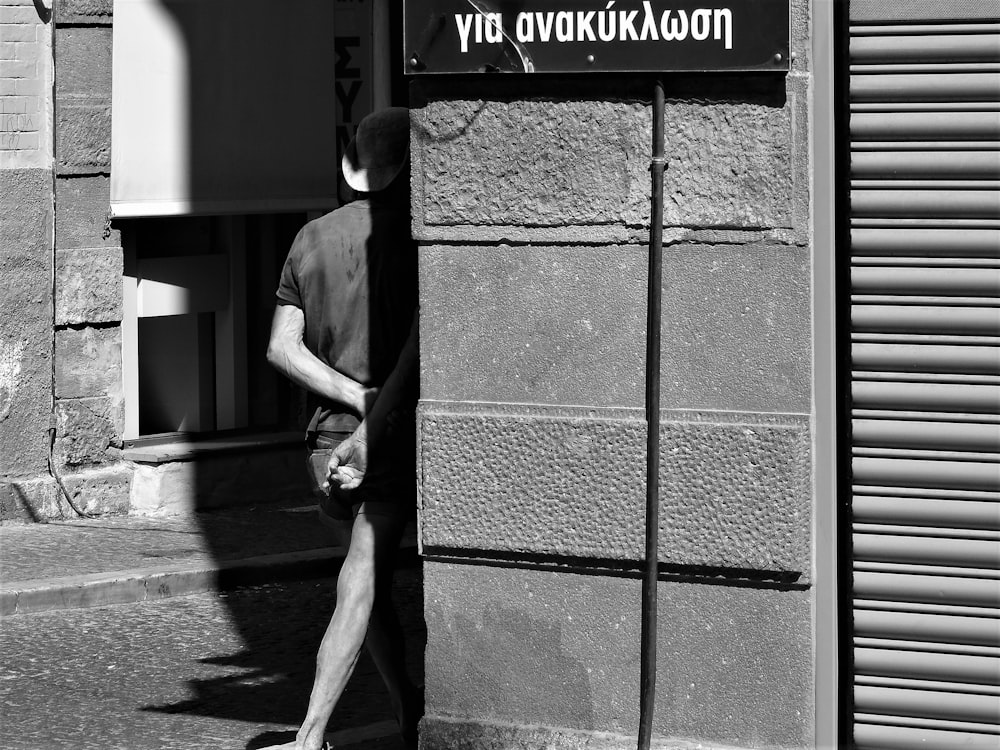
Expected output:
(276, 356)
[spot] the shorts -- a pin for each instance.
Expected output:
(389, 487)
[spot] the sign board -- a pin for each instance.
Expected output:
(579, 36)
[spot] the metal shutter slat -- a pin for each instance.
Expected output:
(938, 48)
(925, 320)
(965, 282)
(958, 514)
(934, 397)
(966, 204)
(905, 434)
(883, 737)
(937, 243)
(978, 360)
(979, 631)
(950, 591)
(942, 126)
(934, 704)
(882, 662)
(926, 164)
(926, 474)
(924, 550)
(925, 87)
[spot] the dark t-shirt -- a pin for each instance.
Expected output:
(353, 272)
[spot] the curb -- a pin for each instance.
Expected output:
(162, 582)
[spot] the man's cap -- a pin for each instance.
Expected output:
(379, 150)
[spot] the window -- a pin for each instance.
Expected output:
(228, 121)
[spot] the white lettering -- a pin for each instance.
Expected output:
(607, 23)
(525, 27)
(494, 28)
(701, 24)
(648, 22)
(724, 14)
(544, 30)
(626, 19)
(584, 30)
(463, 33)
(674, 28)
(564, 26)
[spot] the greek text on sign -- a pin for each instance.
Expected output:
(466, 36)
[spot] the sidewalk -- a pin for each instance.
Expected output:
(92, 562)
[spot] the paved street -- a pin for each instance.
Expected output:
(219, 671)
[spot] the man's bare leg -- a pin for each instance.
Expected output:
(387, 646)
(374, 540)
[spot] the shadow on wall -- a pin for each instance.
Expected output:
(269, 679)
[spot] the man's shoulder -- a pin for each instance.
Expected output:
(346, 219)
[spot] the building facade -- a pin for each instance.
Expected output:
(829, 429)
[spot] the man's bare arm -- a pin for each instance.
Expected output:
(349, 460)
(287, 353)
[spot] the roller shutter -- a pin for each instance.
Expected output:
(925, 357)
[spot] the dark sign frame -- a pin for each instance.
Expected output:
(595, 36)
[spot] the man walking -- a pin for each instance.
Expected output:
(345, 329)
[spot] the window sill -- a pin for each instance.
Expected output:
(185, 447)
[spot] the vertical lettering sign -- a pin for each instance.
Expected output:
(575, 36)
(352, 45)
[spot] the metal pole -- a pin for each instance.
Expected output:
(647, 673)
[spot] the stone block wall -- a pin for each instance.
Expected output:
(26, 220)
(88, 266)
(531, 206)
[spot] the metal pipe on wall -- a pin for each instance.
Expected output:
(647, 673)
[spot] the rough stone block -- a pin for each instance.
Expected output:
(82, 213)
(545, 163)
(735, 489)
(553, 650)
(566, 325)
(559, 325)
(89, 363)
(83, 64)
(25, 320)
(38, 499)
(103, 491)
(208, 482)
(14, 505)
(83, 137)
(86, 431)
(85, 11)
(88, 286)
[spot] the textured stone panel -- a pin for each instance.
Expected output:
(25, 320)
(728, 164)
(530, 324)
(567, 325)
(568, 486)
(89, 363)
(734, 494)
(541, 163)
(565, 163)
(560, 650)
(736, 328)
(83, 209)
(88, 285)
(86, 431)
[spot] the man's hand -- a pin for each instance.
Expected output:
(348, 463)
